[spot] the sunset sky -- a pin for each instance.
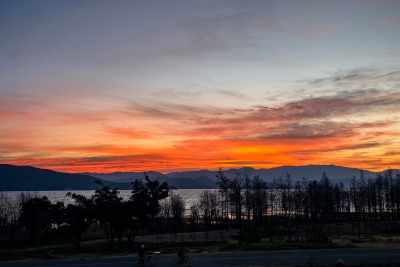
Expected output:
(109, 86)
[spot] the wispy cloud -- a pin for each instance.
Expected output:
(129, 133)
(361, 79)
(233, 93)
(166, 135)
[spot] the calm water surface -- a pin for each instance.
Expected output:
(189, 195)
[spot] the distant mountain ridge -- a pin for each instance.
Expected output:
(26, 178)
(207, 178)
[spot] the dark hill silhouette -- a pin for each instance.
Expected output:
(192, 179)
(314, 172)
(207, 178)
(124, 177)
(25, 178)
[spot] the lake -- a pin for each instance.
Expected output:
(189, 195)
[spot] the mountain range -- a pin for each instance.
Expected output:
(24, 178)
(27, 178)
(207, 178)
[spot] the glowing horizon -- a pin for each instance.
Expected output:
(216, 84)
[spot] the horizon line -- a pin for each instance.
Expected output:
(202, 169)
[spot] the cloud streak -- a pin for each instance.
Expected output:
(160, 135)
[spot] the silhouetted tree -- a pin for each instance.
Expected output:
(224, 185)
(36, 217)
(208, 207)
(8, 218)
(112, 213)
(259, 199)
(248, 198)
(236, 198)
(79, 216)
(194, 215)
(145, 199)
(177, 210)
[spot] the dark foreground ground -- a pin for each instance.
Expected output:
(310, 257)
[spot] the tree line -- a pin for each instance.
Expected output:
(294, 210)
(303, 209)
(41, 220)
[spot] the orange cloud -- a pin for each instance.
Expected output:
(358, 128)
(130, 133)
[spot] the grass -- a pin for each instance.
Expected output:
(275, 245)
(101, 247)
(359, 265)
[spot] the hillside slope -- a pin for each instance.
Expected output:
(26, 178)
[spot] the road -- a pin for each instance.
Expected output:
(232, 259)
